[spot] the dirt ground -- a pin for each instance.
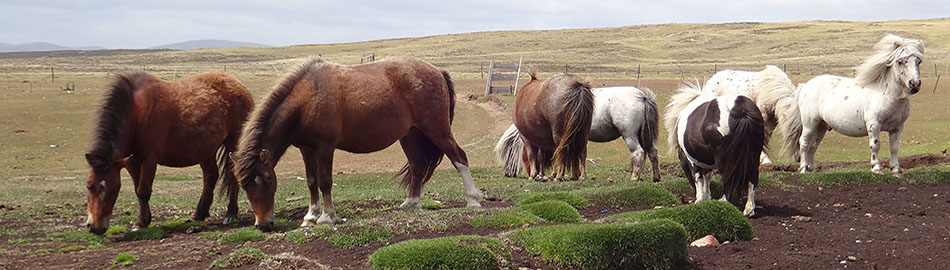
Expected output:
(873, 226)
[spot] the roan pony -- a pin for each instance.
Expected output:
(322, 106)
(625, 112)
(554, 118)
(144, 122)
(724, 133)
(875, 100)
(770, 89)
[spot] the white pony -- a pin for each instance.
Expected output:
(770, 89)
(625, 112)
(875, 100)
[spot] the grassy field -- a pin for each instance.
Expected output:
(44, 131)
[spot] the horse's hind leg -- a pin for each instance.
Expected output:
(809, 141)
(750, 202)
(414, 146)
(655, 162)
(209, 171)
(443, 139)
(637, 155)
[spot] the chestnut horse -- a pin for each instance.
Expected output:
(145, 121)
(322, 106)
(554, 117)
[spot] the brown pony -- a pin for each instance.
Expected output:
(361, 109)
(554, 118)
(145, 121)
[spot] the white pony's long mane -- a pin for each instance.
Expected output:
(874, 70)
(686, 93)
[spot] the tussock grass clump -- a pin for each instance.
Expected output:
(123, 259)
(246, 234)
(361, 237)
(239, 257)
(719, 218)
(455, 252)
(504, 219)
(574, 200)
(150, 233)
(655, 244)
(629, 194)
(555, 211)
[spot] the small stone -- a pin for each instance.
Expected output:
(801, 218)
(906, 229)
(838, 205)
(821, 188)
(852, 258)
(708, 240)
(868, 214)
(902, 189)
(658, 207)
(844, 262)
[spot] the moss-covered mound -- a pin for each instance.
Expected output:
(655, 244)
(532, 197)
(554, 211)
(504, 219)
(715, 217)
(455, 252)
(629, 194)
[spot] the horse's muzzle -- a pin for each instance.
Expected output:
(96, 230)
(266, 227)
(914, 86)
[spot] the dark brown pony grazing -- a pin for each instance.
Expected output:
(361, 109)
(146, 121)
(554, 118)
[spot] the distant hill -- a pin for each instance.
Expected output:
(41, 47)
(207, 44)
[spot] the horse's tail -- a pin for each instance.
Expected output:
(686, 93)
(224, 164)
(738, 161)
(575, 116)
(776, 91)
(429, 154)
(508, 151)
(649, 130)
(790, 124)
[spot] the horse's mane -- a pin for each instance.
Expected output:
(109, 120)
(686, 93)
(892, 47)
(246, 157)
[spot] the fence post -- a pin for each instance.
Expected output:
(491, 65)
(31, 87)
(517, 77)
(565, 68)
(638, 75)
(52, 74)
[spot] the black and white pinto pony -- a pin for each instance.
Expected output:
(623, 111)
(875, 100)
(770, 89)
(723, 133)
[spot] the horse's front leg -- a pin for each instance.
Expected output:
(894, 144)
(325, 182)
(874, 139)
(310, 166)
(143, 190)
(702, 186)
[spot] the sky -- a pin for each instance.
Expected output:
(136, 24)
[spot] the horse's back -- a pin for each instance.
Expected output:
(732, 82)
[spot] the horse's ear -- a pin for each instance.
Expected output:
(121, 162)
(89, 158)
(265, 155)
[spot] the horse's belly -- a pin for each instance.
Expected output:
(845, 118)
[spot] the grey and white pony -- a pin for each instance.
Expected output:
(875, 100)
(723, 133)
(770, 89)
(625, 112)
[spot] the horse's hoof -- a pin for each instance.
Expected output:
(328, 219)
(308, 223)
(748, 213)
(410, 203)
(473, 205)
(228, 220)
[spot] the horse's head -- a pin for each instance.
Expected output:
(907, 71)
(259, 181)
(103, 189)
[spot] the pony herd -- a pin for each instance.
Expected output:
(723, 126)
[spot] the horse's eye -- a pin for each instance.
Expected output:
(90, 187)
(901, 62)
